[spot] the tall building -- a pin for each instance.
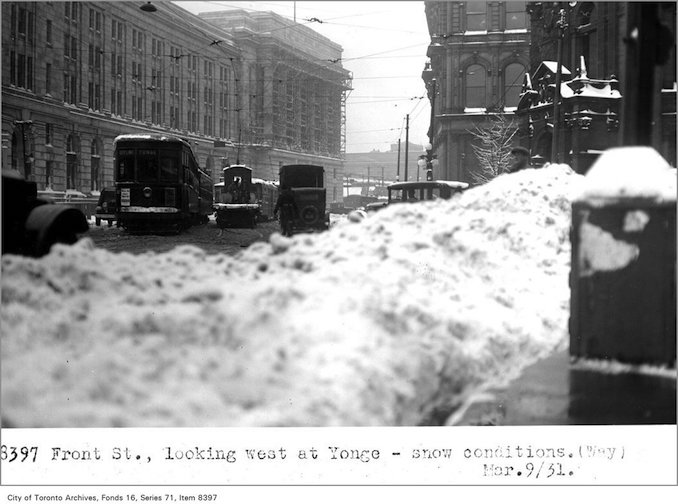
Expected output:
(617, 82)
(294, 91)
(479, 54)
(77, 74)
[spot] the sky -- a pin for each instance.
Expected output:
(384, 47)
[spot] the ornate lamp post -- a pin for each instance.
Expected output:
(432, 89)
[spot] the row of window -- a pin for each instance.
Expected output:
(460, 17)
(475, 86)
(73, 174)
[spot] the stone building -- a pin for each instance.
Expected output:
(617, 82)
(77, 74)
(296, 98)
(479, 54)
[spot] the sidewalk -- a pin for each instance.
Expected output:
(554, 392)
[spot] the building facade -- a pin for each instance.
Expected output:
(296, 99)
(77, 74)
(479, 54)
(617, 82)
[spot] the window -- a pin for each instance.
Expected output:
(513, 83)
(22, 21)
(95, 177)
(476, 19)
(516, 16)
(125, 162)
(70, 88)
(147, 165)
(71, 163)
(48, 78)
(21, 70)
(48, 32)
(48, 134)
(49, 170)
(475, 86)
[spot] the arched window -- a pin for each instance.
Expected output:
(513, 83)
(476, 16)
(475, 86)
(95, 177)
(516, 16)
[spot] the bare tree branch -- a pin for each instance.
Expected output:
(494, 151)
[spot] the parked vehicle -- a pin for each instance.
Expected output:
(410, 192)
(31, 225)
(105, 209)
(159, 185)
(376, 205)
(307, 186)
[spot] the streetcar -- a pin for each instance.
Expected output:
(159, 185)
(265, 194)
(235, 203)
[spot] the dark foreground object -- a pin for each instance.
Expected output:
(30, 225)
(556, 392)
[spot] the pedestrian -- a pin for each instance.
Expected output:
(287, 206)
(521, 159)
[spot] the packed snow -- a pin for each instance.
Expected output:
(629, 172)
(379, 322)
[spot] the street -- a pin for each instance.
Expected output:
(208, 237)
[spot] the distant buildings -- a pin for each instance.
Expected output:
(384, 166)
(253, 87)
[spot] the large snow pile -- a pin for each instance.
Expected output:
(379, 322)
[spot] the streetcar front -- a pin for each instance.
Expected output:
(151, 193)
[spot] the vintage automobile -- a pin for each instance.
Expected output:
(306, 186)
(105, 209)
(411, 192)
(30, 224)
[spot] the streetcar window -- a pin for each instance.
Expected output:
(125, 162)
(168, 169)
(147, 165)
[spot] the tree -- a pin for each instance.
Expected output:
(494, 151)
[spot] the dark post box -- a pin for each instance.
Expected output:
(623, 272)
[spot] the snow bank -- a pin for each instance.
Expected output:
(379, 322)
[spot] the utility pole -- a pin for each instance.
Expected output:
(398, 166)
(407, 142)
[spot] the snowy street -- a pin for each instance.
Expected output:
(400, 319)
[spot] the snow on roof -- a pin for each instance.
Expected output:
(589, 90)
(139, 136)
(630, 172)
(552, 66)
(370, 323)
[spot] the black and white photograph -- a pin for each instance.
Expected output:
(366, 214)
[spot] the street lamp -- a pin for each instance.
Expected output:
(429, 160)
(148, 7)
(421, 165)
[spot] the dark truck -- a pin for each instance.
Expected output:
(307, 186)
